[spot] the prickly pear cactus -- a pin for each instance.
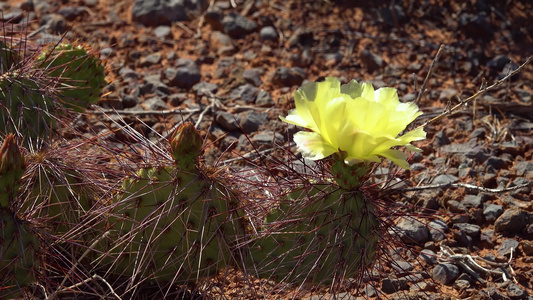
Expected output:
(19, 260)
(12, 165)
(322, 235)
(25, 108)
(174, 224)
(80, 71)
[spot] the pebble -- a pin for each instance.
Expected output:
(205, 88)
(473, 201)
(129, 101)
(492, 212)
(440, 139)
(284, 76)
(512, 220)
(251, 120)
(268, 33)
(264, 99)
(267, 137)
(428, 256)
(226, 120)
(71, 13)
(524, 168)
(437, 230)
(516, 292)
(184, 76)
(237, 26)
(445, 179)
(150, 60)
(162, 12)
(252, 76)
(412, 231)
(445, 273)
(468, 229)
(155, 103)
(392, 285)
(246, 92)
(163, 31)
(507, 246)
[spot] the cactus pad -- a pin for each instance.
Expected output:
(81, 74)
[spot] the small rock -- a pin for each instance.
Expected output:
(478, 133)
(163, 32)
(238, 26)
(468, 229)
(445, 273)
(150, 60)
(412, 231)
(402, 267)
(129, 101)
(440, 139)
(288, 77)
(264, 99)
(512, 220)
(71, 13)
(226, 120)
(390, 286)
(252, 77)
(508, 246)
(527, 247)
(498, 62)
(448, 94)
(183, 77)
(470, 201)
(437, 230)
(155, 103)
(163, 12)
(492, 211)
(445, 179)
(246, 92)
(214, 19)
(268, 33)
(523, 167)
(204, 88)
(428, 256)
(461, 284)
(177, 99)
(267, 138)
(251, 120)
(515, 292)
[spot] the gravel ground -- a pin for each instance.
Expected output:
(232, 66)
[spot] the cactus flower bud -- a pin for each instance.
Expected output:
(185, 145)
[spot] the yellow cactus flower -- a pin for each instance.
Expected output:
(353, 119)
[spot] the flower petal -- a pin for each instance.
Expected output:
(312, 146)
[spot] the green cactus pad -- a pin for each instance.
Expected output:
(322, 235)
(19, 261)
(81, 74)
(25, 108)
(172, 226)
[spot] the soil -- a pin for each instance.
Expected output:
(389, 43)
